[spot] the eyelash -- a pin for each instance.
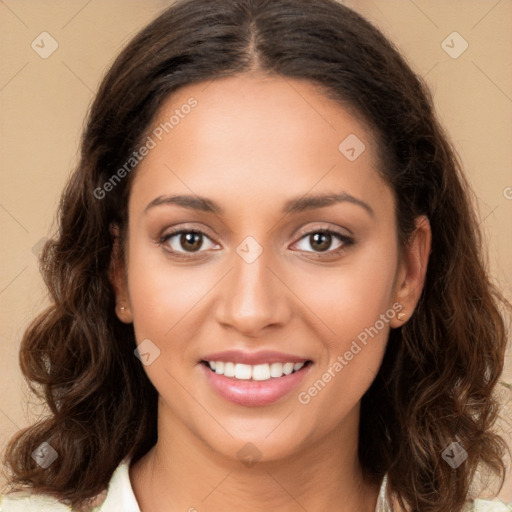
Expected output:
(347, 241)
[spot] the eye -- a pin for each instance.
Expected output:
(186, 241)
(321, 241)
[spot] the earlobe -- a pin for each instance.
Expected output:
(124, 314)
(117, 277)
(413, 270)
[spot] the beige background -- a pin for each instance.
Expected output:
(43, 103)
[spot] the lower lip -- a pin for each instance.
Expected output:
(254, 393)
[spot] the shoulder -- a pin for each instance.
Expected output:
(478, 505)
(30, 502)
(490, 506)
(118, 498)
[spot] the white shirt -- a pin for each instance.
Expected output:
(120, 498)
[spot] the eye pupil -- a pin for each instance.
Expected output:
(191, 241)
(321, 241)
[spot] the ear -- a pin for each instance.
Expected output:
(412, 271)
(117, 276)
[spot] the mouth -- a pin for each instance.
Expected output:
(258, 372)
(254, 380)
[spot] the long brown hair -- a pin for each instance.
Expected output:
(436, 382)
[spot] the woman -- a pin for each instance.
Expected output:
(268, 289)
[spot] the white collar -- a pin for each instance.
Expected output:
(120, 496)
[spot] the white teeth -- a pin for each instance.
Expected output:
(255, 372)
(261, 372)
(229, 369)
(287, 368)
(276, 370)
(243, 371)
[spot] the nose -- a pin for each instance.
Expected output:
(253, 299)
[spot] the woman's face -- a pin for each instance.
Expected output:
(298, 263)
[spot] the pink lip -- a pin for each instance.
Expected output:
(252, 358)
(253, 393)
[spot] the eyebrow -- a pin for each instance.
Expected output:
(296, 205)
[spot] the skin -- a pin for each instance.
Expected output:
(252, 143)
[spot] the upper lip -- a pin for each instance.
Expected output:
(252, 358)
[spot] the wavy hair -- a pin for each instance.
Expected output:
(436, 382)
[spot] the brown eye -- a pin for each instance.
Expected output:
(184, 241)
(191, 241)
(322, 241)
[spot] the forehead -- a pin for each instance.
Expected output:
(253, 135)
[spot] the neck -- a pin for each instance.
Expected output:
(182, 473)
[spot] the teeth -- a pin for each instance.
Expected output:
(276, 370)
(243, 371)
(287, 368)
(229, 369)
(255, 372)
(261, 372)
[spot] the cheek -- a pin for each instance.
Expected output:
(161, 293)
(355, 303)
(336, 389)
(351, 297)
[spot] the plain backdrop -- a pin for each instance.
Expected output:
(462, 48)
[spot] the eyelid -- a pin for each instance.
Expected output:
(173, 230)
(323, 227)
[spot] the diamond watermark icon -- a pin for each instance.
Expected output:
(249, 250)
(44, 45)
(454, 45)
(454, 455)
(249, 454)
(37, 248)
(44, 455)
(147, 352)
(351, 147)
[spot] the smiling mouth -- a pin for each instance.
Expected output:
(257, 372)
